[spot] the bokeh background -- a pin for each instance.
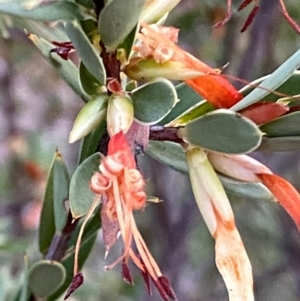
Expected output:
(37, 110)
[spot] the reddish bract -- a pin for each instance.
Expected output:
(286, 194)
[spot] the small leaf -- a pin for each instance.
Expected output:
(223, 131)
(153, 100)
(66, 69)
(277, 78)
(45, 277)
(129, 41)
(88, 240)
(280, 144)
(250, 191)
(89, 117)
(86, 3)
(169, 153)
(47, 220)
(289, 87)
(187, 98)
(89, 84)
(117, 20)
(52, 11)
(88, 54)
(81, 197)
(193, 113)
(61, 192)
(287, 125)
(90, 142)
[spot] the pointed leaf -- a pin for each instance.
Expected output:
(87, 242)
(86, 3)
(89, 84)
(90, 142)
(278, 77)
(250, 191)
(52, 11)
(81, 197)
(187, 98)
(47, 220)
(290, 87)
(153, 100)
(66, 69)
(88, 54)
(194, 112)
(169, 153)
(60, 192)
(89, 117)
(223, 131)
(45, 277)
(129, 41)
(280, 144)
(287, 125)
(117, 20)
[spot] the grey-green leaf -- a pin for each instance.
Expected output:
(288, 88)
(54, 214)
(223, 131)
(81, 197)
(89, 84)
(45, 277)
(277, 78)
(66, 69)
(287, 125)
(280, 144)
(169, 153)
(61, 183)
(187, 98)
(87, 52)
(153, 101)
(52, 11)
(117, 20)
(47, 220)
(250, 191)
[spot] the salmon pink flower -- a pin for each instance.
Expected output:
(157, 50)
(121, 188)
(245, 168)
(231, 257)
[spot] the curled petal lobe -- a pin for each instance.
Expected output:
(99, 184)
(286, 194)
(210, 84)
(233, 263)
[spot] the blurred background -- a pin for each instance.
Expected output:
(36, 115)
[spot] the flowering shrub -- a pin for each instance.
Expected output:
(121, 60)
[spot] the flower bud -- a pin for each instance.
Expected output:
(208, 190)
(89, 117)
(119, 114)
(149, 69)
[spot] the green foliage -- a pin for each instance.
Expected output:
(214, 132)
(153, 101)
(54, 213)
(81, 197)
(45, 277)
(88, 54)
(117, 20)
(93, 69)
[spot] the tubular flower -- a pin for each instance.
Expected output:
(231, 257)
(157, 45)
(121, 187)
(244, 168)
